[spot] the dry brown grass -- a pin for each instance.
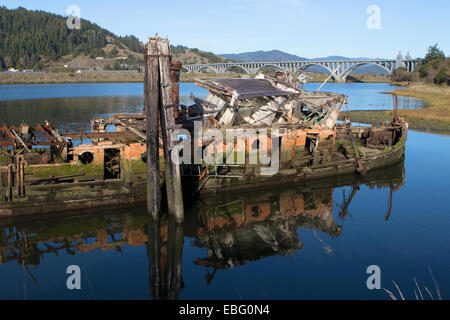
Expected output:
(436, 97)
(68, 77)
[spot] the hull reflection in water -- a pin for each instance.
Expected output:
(233, 230)
(238, 229)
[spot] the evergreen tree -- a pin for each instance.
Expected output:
(433, 54)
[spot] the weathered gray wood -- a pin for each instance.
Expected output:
(132, 129)
(167, 116)
(151, 105)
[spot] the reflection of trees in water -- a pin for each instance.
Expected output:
(65, 111)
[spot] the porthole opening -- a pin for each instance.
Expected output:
(256, 211)
(86, 157)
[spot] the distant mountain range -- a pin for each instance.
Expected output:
(277, 55)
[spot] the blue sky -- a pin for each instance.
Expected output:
(303, 27)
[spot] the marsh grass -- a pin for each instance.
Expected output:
(418, 293)
(435, 117)
(436, 97)
(70, 77)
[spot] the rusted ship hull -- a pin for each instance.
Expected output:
(130, 187)
(42, 170)
(303, 166)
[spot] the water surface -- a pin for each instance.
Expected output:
(310, 241)
(69, 105)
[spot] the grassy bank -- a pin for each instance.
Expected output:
(122, 77)
(68, 77)
(435, 117)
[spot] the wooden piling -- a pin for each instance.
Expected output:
(23, 165)
(18, 158)
(167, 116)
(151, 105)
(175, 69)
(10, 182)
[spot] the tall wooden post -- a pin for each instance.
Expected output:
(10, 182)
(172, 170)
(175, 69)
(151, 102)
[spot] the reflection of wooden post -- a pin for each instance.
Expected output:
(174, 254)
(172, 170)
(151, 105)
(154, 257)
(165, 280)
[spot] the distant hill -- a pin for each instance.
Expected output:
(277, 55)
(195, 56)
(33, 39)
(41, 41)
(273, 55)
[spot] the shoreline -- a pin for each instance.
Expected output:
(434, 118)
(137, 77)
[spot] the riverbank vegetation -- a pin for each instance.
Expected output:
(429, 83)
(436, 117)
(133, 76)
(70, 77)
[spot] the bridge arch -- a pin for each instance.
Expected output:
(355, 66)
(306, 66)
(270, 66)
(229, 68)
(211, 68)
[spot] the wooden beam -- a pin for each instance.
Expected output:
(132, 129)
(151, 105)
(167, 116)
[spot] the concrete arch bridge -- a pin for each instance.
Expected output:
(345, 67)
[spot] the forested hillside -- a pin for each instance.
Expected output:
(26, 37)
(37, 39)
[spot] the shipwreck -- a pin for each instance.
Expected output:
(44, 170)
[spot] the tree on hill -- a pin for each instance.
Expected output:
(116, 65)
(113, 53)
(434, 53)
(435, 66)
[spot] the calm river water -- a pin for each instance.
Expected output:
(312, 241)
